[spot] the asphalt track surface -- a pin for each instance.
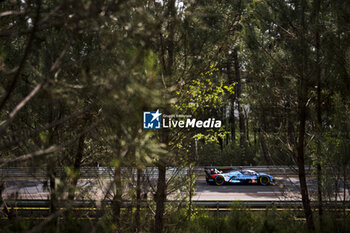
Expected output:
(287, 188)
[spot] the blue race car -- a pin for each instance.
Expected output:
(222, 176)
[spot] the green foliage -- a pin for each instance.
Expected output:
(103, 63)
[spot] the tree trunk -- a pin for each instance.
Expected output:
(233, 123)
(232, 100)
(254, 137)
(319, 115)
(191, 189)
(52, 181)
(52, 174)
(138, 201)
(301, 168)
(5, 209)
(302, 108)
(76, 168)
(344, 190)
(160, 199)
(160, 196)
(264, 148)
(117, 199)
(291, 140)
(242, 130)
(52, 161)
(247, 128)
(319, 156)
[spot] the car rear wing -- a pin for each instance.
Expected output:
(212, 170)
(209, 171)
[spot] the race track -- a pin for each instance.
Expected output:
(287, 188)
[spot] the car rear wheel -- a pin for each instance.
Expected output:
(219, 180)
(264, 180)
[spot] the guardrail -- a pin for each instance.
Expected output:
(91, 208)
(92, 172)
(205, 204)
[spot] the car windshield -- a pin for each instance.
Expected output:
(248, 173)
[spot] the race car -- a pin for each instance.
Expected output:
(222, 176)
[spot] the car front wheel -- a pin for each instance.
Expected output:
(264, 180)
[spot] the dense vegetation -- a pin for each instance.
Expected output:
(240, 221)
(76, 76)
